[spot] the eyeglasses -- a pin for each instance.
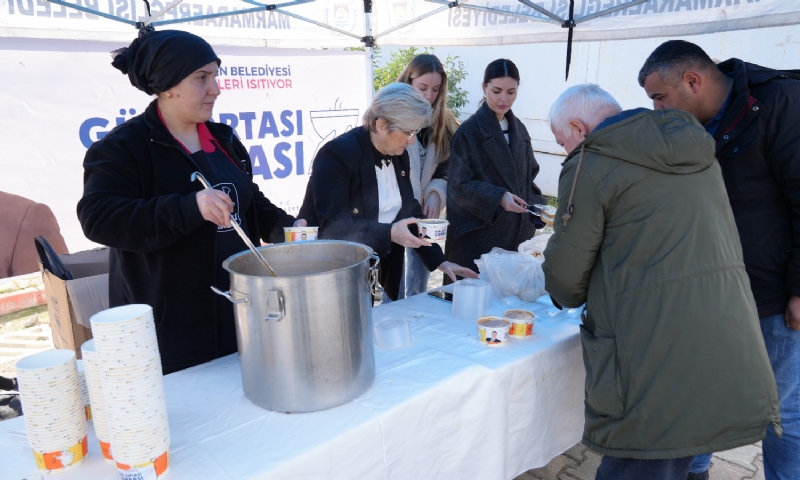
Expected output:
(410, 135)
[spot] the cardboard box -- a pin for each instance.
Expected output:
(72, 302)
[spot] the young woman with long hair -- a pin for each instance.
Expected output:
(492, 172)
(428, 157)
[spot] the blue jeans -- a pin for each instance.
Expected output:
(700, 463)
(414, 279)
(781, 455)
(630, 469)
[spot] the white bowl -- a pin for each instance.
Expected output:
(433, 229)
(300, 234)
(493, 331)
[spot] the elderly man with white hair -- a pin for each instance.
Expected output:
(645, 237)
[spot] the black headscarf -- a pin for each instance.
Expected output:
(157, 61)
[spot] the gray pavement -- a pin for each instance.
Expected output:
(21, 334)
(580, 463)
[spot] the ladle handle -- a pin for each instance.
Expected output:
(199, 176)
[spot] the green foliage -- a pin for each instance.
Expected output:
(387, 74)
(456, 96)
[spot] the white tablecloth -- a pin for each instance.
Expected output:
(448, 407)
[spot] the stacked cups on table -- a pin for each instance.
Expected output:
(470, 298)
(95, 388)
(87, 406)
(54, 414)
(392, 332)
(133, 390)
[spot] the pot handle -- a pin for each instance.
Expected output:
(230, 296)
(374, 286)
(275, 297)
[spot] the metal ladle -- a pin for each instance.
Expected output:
(199, 177)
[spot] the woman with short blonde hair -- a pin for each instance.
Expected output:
(360, 190)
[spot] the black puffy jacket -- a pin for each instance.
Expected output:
(139, 200)
(758, 147)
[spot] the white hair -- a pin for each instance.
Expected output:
(400, 106)
(586, 102)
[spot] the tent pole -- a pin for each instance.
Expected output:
(369, 46)
(162, 12)
(569, 23)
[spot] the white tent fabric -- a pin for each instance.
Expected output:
(255, 27)
(471, 25)
(343, 23)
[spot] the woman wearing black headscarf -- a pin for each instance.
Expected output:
(168, 236)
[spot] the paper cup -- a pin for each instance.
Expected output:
(521, 322)
(493, 331)
(87, 408)
(150, 469)
(54, 412)
(96, 400)
(433, 229)
(62, 460)
(105, 449)
(49, 363)
(300, 234)
(129, 367)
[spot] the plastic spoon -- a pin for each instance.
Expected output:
(546, 212)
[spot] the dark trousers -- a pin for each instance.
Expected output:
(631, 469)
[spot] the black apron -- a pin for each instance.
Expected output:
(225, 176)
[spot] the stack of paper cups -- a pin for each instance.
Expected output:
(87, 406)
(54, 414)
(133, 389)
(469, 299)
(95, 387)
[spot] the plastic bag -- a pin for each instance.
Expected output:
(535, 246)
(513, 273)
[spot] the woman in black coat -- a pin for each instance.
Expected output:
(360, 188)
(491, 174)
(168, 235)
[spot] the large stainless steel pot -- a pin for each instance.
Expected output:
(305, 336)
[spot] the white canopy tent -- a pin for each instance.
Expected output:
(351, 23)
(366, 23)
(63, 95)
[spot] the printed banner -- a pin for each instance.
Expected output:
(283, 105)
(254, 27)
(508, 21)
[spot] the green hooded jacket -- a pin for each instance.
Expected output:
(675, 361)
